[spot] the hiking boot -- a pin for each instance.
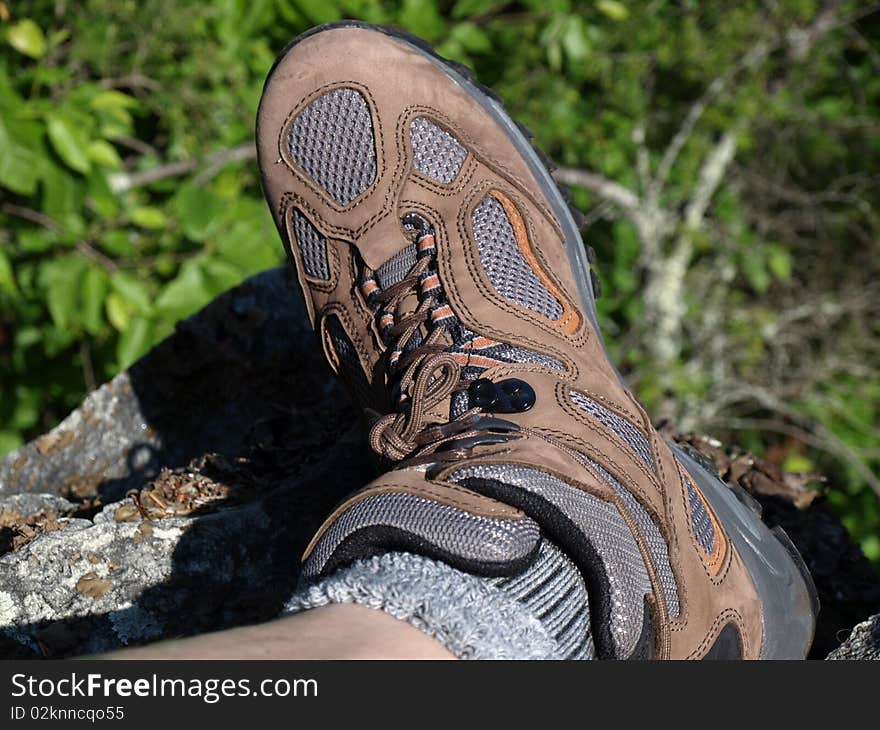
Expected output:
(447, 280)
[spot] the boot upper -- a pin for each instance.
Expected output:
(356, 132)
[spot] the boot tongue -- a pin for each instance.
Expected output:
(392, 272)
(397, 267)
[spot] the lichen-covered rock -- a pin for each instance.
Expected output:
(178, 498)
(863, 642)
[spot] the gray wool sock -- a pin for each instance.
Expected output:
(540, 614)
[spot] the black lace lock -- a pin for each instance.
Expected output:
(506, 396)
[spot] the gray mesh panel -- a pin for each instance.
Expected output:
(505, 266)
(554, 592)
(332, 140)
(312, 247)
(604, 526)
(703, 529)
(349, 362)
(619, 425)
(436, 153)
(656, 544)
(479, 539)
(521, 354)
(397, 267)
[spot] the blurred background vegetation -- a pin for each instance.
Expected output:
(726, 156)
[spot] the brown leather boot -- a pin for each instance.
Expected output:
(451, 290)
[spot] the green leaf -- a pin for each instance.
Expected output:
(797, 463)
(574, 39)
(118, 242)
(135, 341)
(112, 99)
(199, 211)
(147, 216)
(9, 441)
(60, 279)
(613, 9)
(779, 261)
(62, 191)
(421, 17)
(104, 154)
(219, 276)
(186, 294)
(36, 240)
(27, 38)
(319, 11)
(95, 284)
(118, 311)
(100, 198)
(132, 291)
(7, 276)
(69, 142)
(18, 169)
(472, 38)
(469, 8)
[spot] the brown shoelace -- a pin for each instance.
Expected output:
(429, 375)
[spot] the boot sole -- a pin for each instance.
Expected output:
(788, 596)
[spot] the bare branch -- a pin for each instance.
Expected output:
(90, 252)
(242, 153)
(751, 59)
(123, 182)
(800, 42)
(603, 187)
(132, 81)
(711, 174)
(643, 163)
(34, 216)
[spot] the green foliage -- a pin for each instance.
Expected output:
(97, 265)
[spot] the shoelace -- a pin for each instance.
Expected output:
(426, 375)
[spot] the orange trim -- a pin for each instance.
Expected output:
(476, 361)
(368, 287)
(332, 355)
(570, 320)
(430, 282)
(480, 343)
(441, 312)
(719, 552)
(426, 243)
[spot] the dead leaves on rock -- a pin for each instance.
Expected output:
(91, 585)
(206, 484)
(755, 474)
(17, 530)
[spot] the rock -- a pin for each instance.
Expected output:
(863, 642)
(178, 498)
(232, 441)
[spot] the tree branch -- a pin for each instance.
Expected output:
(123, 182)
(603, 187)
(710, 177)
(34, 216)
(752, 58)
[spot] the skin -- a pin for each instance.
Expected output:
(341, 631)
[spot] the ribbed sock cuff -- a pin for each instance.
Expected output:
(471, 616)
